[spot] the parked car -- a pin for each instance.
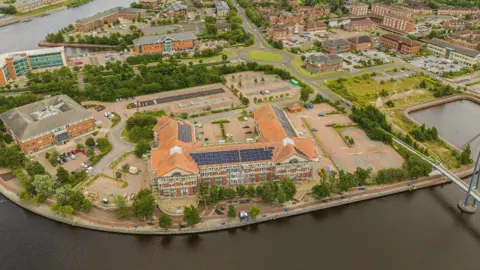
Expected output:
(73, 157)
(249, 132)
(89, 169)
(314, 129)
(246, 127)
(321, 114)
(329, 125)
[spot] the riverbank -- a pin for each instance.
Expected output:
(28, 16)
(74, 45)
(212, 224)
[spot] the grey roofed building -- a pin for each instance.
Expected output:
(45, 115)
(320, 59)
(161, 38)
(360, 39)
(101, 15)
(456, 48)
(176, 7)
(222, 5)
(336, 42)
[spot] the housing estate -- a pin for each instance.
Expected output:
(44, 123)
(400, 43)
(321, 63)
(109, 16)
(178, 163)
(360, 25)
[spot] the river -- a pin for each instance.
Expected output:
(25, 36)
(420, 230)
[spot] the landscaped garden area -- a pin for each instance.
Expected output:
(265, 56)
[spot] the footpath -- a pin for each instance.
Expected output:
(217, 223)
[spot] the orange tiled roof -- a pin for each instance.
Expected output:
(268, 124)
(165, 162)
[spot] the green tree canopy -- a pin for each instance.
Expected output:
(144, 203)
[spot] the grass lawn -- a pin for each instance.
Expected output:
(215, 58)
(42, 9)
(364, 91)
(438, 149)
(265, 56)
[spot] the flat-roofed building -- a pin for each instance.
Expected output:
(358, 9)
(457, 11)
(167, 44)
(454, 52)
(398, 23)
(467, 39)
(179, 164)
(16, 64)
(322, 63)
(315, 27)
(400, 43)
(45, 123)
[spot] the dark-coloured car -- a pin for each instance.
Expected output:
(249, 132)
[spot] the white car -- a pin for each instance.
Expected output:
(89, 169)
(73, 157)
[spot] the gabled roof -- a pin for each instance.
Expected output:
(336, 42)
(166, 162)
(360, 39)
(159, 39)
(400, 39)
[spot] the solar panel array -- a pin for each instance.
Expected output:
(284, 122)
(256, 154)
(221, 157)
(184, 133)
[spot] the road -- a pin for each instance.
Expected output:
(119, 147)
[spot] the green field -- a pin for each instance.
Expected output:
(265, 56)
(364, 90)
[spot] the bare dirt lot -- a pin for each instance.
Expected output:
(364, 153)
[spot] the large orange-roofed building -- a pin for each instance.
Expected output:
(178, 163)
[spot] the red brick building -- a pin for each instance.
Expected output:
(360, 25)
(336, 46)
(358, 9)
(455, 24)
(457, 11)
(315, 27)
(312, 12)
(176, 10)
(400, 43)
(398, 23)
(166, 44)
(418, 9)
(109, 16)
(44, 123)
(381, 10)
(277, 32)
(361, 43)
(323, 63)
(149, 3)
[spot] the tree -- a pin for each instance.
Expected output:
(118, 175)
(141, 148)
(241, 190)
(305, 93)
(164, 221)
(203, 192)
(90, 142)
(11, 157)
(190, 215)
(144, 203)
(224, 57)
(281, 196)
(121, 210)
(34, 168)
(289, 188)
(253, 211)
(268, 193)
(251, 191)
(465, 156)
(321, 191)
(62, 175)
(67, 196)
(231, 211)
(43, 186)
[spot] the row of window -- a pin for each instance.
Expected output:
(55, 130)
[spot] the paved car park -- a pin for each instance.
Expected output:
(436, 64)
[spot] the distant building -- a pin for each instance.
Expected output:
(454, 52)
(178, 163)
(223, 26)
(222, 9)
(15, 64)
(315, 27)
(381, 10)
(455, 24)
(108, 16)
(322, 63)
(418, 8)
(312, 12)
(457, 11)
(359, 9)
(361, 43)
(167, 44)
(360, 25)
(398, 23)
(467, 39)
(277, 32)
(176, 10)
(149, 3)
(336, 46)
(28, 5)
(44, 123)
(400, 43)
